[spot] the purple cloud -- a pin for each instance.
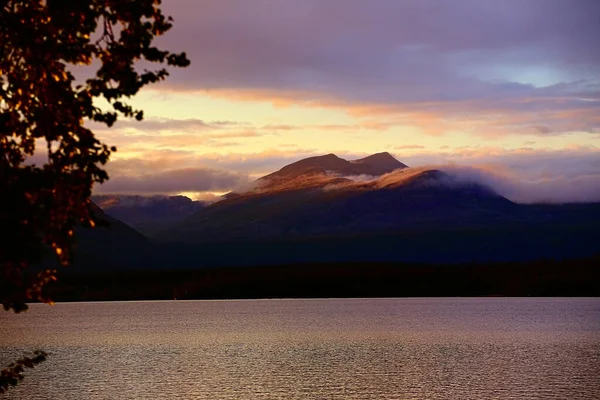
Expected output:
(174, 181)
(457, 58)
(583, 188)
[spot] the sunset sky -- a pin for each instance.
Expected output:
(511, 84)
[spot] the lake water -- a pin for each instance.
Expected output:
(492, 348)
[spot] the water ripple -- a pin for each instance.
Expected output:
(311, 349)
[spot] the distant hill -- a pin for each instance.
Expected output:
(110, 245)
(110, 235)
(379, 164)
(148, 213)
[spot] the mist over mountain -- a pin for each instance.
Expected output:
(548, 189)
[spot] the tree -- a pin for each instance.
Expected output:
(40, 100)
(42, 105)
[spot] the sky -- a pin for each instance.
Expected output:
(510, 85)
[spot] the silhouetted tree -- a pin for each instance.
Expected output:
(13, 374)
(43, 105)
(40, 100)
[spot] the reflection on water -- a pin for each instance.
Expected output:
(310, 349)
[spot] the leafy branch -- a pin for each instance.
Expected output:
(13, 374)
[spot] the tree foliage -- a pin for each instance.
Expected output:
(44, 110)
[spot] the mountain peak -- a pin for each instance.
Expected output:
(381, 163)
(381, 155)
(330, 165)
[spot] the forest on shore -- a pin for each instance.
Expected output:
(574, 277)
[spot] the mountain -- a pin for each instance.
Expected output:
(327, 169)
(315, 210)
(109, 236)
(111, 245)
(375, 165)
(403, 200)
(379, 164)
(148, 213)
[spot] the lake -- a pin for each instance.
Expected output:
(451, 348)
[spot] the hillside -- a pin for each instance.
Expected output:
(411, 201)
(148, 213)
(111, 245)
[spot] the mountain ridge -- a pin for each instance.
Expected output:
(330, 164)
(147, 213)
(315, 214)
(307, 199)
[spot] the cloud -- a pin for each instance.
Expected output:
(255, 164)
(542, 129)
(409, 147)
(174, 181)
(158, 124)
(575, 163)
(161, 133)
(493, 69)
(166, 124)
(285, 42)
(559, 188)
(523, 175)
(529, 163)
(146, 163)
(584, 188)
(280, 127)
